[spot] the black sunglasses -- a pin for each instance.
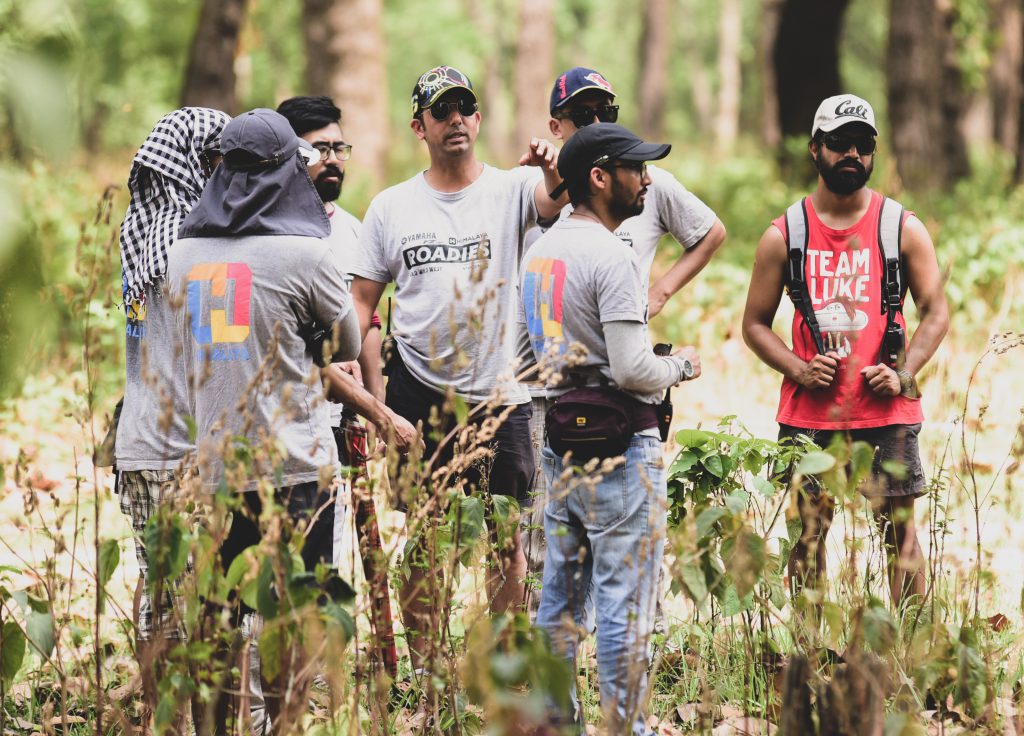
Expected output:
(441, 109)
(581, 117)
(841, 143)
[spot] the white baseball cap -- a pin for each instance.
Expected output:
(835, 112)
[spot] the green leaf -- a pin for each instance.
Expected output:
(896, 468)
(266, 601)
(192, 427)
(815, 462)
(862, 457)
(747, 561)
(879, 628)
(835, 622)
(167, 546)
(110, 556)
(272, 647)
(764, 486)
(733, 604)
(683, 462)
(694, 582)
(38, 623)
(460, 408)
(713, 464)
(707, 518)
(691, 437)
(12, 650)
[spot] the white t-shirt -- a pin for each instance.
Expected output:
(344, 241)
(669, 209)
(454, 258)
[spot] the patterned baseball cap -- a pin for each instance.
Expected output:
(574, 81)
(434, 83)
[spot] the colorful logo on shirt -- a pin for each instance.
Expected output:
(136, 316)
(230, 289)
(543, 284)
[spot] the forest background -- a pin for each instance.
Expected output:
(733, 85)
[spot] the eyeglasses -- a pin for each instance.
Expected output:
(342, 150)
(581, 117)
(441, 109)
(637, 167)
(841, 143)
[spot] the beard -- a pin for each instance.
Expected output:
(843, 182)
(329, 190)
(625, 204)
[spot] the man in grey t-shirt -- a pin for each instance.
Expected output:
(451, 238)
(254, 273)
(583, 286)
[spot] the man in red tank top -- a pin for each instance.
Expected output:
(847, 389)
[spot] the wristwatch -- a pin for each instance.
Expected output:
(687, 368)
(908, 384)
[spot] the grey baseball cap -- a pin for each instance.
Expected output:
(267, 137)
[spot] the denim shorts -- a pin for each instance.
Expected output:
(508, 472)
(894, 442)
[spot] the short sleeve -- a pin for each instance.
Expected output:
(621, 294)
(682, 213)
(370, 260)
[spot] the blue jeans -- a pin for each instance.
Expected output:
(611, 533)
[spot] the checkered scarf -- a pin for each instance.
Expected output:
(165, 183)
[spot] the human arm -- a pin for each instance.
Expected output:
(633, 364)
(369, 363)
(366, 294)
(763, 295)
(544, 154)
(344, 388)
(689, 264)
(925, 283)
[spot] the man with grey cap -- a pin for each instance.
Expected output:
(256, 277)
(451, 239)
(583, 320)
(847, 256)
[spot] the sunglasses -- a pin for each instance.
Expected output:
(840, 143)
(581, 117)
(441, 109)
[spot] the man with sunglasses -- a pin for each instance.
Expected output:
(579, 98)
(837, 383)
(451, 238)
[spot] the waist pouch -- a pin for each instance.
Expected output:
(596, 422)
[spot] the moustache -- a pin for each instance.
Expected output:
(330, 171)
(852, 163)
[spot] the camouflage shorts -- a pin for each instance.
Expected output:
(142, 491)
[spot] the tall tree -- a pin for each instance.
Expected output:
(654, 59)
(806, 60)
(488, 18)
(926, 98)
(210, 75)
(730, 37)
(1005, 75)
(771, 132)
(535, 60)
(345, 60)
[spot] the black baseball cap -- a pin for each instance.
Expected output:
(435, 82)
(267, 140)
(599, 144)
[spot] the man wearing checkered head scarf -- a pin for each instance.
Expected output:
(168, 174)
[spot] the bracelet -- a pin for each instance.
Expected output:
(908, 384)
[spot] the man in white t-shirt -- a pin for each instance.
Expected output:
(451, 239)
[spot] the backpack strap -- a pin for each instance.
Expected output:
(796, 283)
(890, 234)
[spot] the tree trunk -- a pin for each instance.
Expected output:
(771, 132)
(488, 18)
(730, 32)
(345, 61)
(655, 41)
(806, 60)
(535, 58)
(926, 99)
(1005, 77)
(210, 75)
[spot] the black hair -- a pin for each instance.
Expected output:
(579, 189)
(309, 113)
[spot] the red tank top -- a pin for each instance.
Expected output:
(843, 272)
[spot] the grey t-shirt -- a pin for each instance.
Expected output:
(238, 293)
(344, 239)
(577, 276)
(669, 209)
(152, 434)
(454, 258)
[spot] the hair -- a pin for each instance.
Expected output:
(309, 113)
(579, 189)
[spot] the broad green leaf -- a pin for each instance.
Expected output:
(896, 468)
(110, 556)
(266, 601)
(12, 650)
(713, 464)
(691, 437)
(736, 502)
(733, 604)
(815, 462)
(879, 628)
(835, 622)
(862, 457)
(460, 409)
(746, 562)
(38, 623)
(240, 566)
(272, 648)
(693, 579)
(707, 518)
(764, 486)
(683, 462)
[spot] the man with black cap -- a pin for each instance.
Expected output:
(451, 238)
(847, 256)
(256, 276)
(580, 97)
(583, 287)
